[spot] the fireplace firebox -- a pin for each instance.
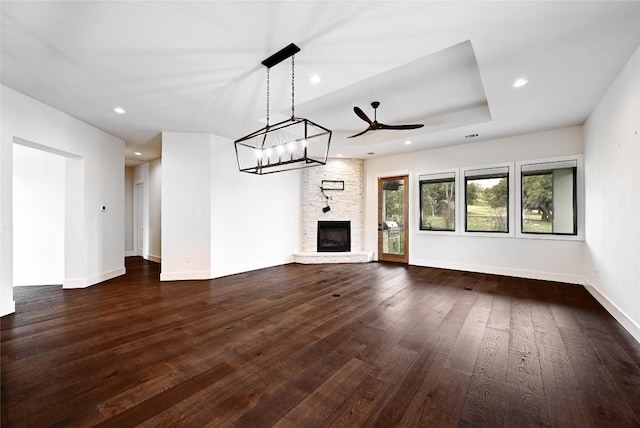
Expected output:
(334, 236)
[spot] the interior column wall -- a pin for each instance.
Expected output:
(186, 206)
(612, 180)
(217, 221)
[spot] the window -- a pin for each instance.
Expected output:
(487, 200)
(438, 202)
(549, 198)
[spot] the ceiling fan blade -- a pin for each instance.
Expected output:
(360, 133)
(416, 126)
(362, 115)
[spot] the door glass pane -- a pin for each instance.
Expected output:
(393, 228)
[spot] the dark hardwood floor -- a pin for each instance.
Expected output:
(317, 345)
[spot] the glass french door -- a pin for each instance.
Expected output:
(393, 219)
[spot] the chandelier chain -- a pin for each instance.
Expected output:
(293, 86)
(267, 96)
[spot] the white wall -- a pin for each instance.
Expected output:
(612, 185)
(217, 221)
(128, 211)
(38, 217)
(94, 176)
(531, 258)
(255, 219)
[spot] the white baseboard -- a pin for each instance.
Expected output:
(156, 259)
(87, 282)
(615, 311)
(7, 308)
(39, 282)
(496, 270)
(184, 276)
(129, 253)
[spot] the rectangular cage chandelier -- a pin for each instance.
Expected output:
(291, 144)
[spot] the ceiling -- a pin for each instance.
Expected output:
(195, 66)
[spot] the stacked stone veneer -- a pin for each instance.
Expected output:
(347, 204)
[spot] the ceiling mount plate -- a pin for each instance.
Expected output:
(281, 55)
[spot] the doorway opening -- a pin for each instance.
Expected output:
(38, 217)
(47, 215)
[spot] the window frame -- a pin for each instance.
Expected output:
(547, 164)
(439, 176)
(488, 171)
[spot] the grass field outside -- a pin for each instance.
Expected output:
(533, 223)
(482, 218)
(435, 223)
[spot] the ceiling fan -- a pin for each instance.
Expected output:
(375, 125)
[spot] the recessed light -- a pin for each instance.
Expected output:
(407, 142)
(518, 83)
(339, 155)
(119, 110)
(137, 153)
(314, 79)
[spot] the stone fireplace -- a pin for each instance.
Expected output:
(346, 205)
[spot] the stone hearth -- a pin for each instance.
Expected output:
(344, 257)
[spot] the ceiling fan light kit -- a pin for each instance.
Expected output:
(293, 143)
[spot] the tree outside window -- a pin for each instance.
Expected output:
(487, 202)
(438, 205)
